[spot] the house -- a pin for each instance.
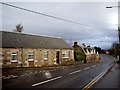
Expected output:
(85, 53)
(26, 50)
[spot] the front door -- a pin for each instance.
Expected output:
(57, 57)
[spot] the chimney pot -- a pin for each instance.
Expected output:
(75, 43)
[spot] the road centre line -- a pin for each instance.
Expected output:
(87, 68)
(75, 72)
(47, 81)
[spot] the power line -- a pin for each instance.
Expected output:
(51, 16)
(42, 13)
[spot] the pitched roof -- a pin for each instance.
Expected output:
(18, 40)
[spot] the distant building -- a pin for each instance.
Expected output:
(27, 50)
(85, 53)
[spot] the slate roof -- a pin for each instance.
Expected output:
(18, 40)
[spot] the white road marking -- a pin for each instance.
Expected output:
(28, 74)
(3, 77)
(39, 71)
(25, 73)
(43, 71)
(6, 77)
(31, 72)
(75, 72)
(87, 68)
(36, 71)
(13, 76)
(22, 75)
(91, 83)
(54, 69)
(94, 66)
(47, 81)
(9, 76)
(48, 74)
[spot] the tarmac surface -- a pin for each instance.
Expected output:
(111, 80)
(73, 76)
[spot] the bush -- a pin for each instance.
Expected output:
(79, 54)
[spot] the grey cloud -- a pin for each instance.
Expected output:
(91, 13)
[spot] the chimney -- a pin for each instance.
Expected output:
(75, 43)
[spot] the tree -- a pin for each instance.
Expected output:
(18, 28)
(115, 48)
(98, 49)
(84, 44)
(79, 54)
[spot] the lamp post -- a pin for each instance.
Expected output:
(113, 6)
(118, 32)
(119, 44)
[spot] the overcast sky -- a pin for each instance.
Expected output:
(102, 22)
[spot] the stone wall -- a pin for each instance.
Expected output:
(38, 57)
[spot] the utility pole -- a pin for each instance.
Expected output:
(119, 44)
(118, 30)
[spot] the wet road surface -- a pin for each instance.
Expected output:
(63, 77)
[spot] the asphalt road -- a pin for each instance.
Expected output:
(76, 76)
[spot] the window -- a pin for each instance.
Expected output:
(14, 57)
(31, 56)
(65, 54)
(45, 55)
(89, 50)
(1, 55)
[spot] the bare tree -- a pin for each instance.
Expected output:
(18, 28)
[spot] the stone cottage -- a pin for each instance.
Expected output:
(85, 53)
(26, 50)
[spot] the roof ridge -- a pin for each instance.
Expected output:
(32, 34)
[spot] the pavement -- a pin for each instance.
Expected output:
(110, 80)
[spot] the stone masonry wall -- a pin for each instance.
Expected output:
(38, 57)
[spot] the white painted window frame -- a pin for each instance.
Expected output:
(1, 55)
(15, 53)
(66, 54)
(45, 53)
(29, 53)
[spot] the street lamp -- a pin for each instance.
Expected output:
(112, 6)
(118, 33)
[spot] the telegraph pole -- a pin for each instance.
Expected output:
(118, 30)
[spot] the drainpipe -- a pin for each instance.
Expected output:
(60, 56)
(22, 64)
